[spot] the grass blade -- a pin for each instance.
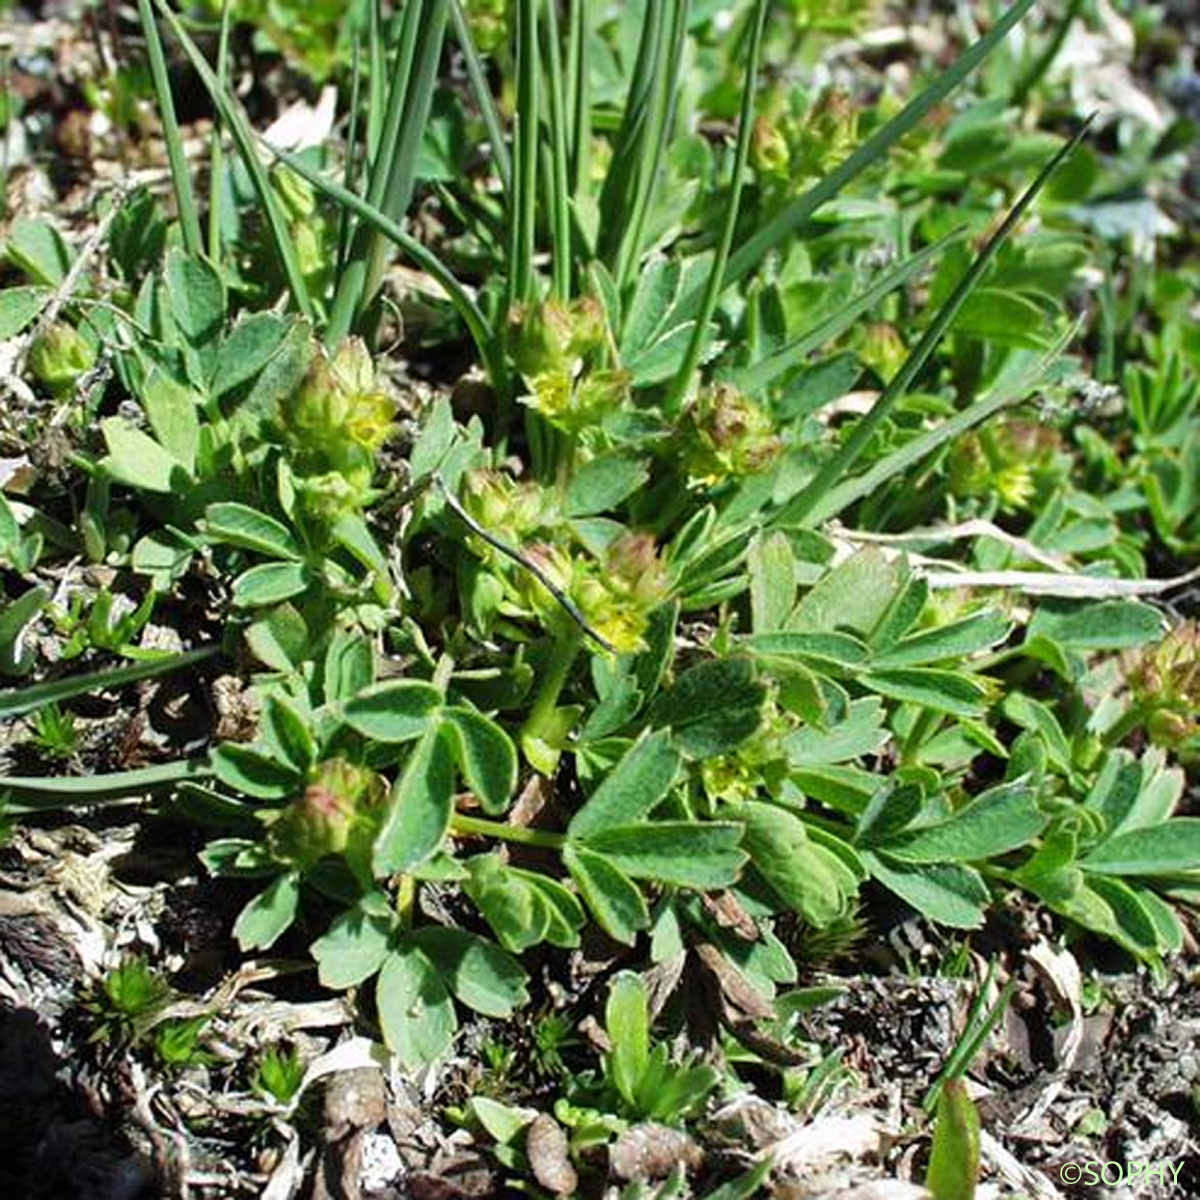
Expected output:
(376, 74)
(523, 196)
(848, 491)
(33, 792)
(654, 141)
(216, 170)
(954, 1159)
(239, 127)
(579, 98)
(15, 702)
(800, 508)
(629, 157)
(683, 377)
(754, 378)
(189, 222)
(779, 228)
(346, 224)
(560, 197)
(482, 93)
(382, 134)
(401, 175)
(462, 303)
(1045, 60)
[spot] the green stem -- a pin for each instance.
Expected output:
(523, 197)
(683, 377)
(1126, 724)
(189, 222)
(216, 171)
(481, 827)
(557, 175)
(926, 721)
(561, 660)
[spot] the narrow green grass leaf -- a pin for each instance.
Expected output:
(954, 1160)
(462, 303)
(216, 159)
(522, 208)
(712, 289)
(781, 227)
(477, 75)
(15, 702)
(402, 164)
(559, 189)
(32, 792)
(754, 378)
(1007, 391)
(181, 181)
(243, 135)
(800, 508)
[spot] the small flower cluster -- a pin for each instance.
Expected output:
(563, 353)
(797, 146)
(615, 593)
(1005, 461)
(335, 422)
(337, 813)
(309, 228)
(59, 357)
(726, 435)
(1165, 682)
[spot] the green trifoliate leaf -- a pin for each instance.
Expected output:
(615, 901)
(683, 853)
(477, 971)
(421, 803)
(241, 525)
(415, 1009)
(393, 712)
(1000, 819)
(352, 949)
(251, 771)
(713, 708)
(266, 917)
(632, 788)
(1164, 849)
(485, 754)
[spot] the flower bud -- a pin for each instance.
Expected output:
(769, 153)
(727, 435)
(59, 357)
(323, 818)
